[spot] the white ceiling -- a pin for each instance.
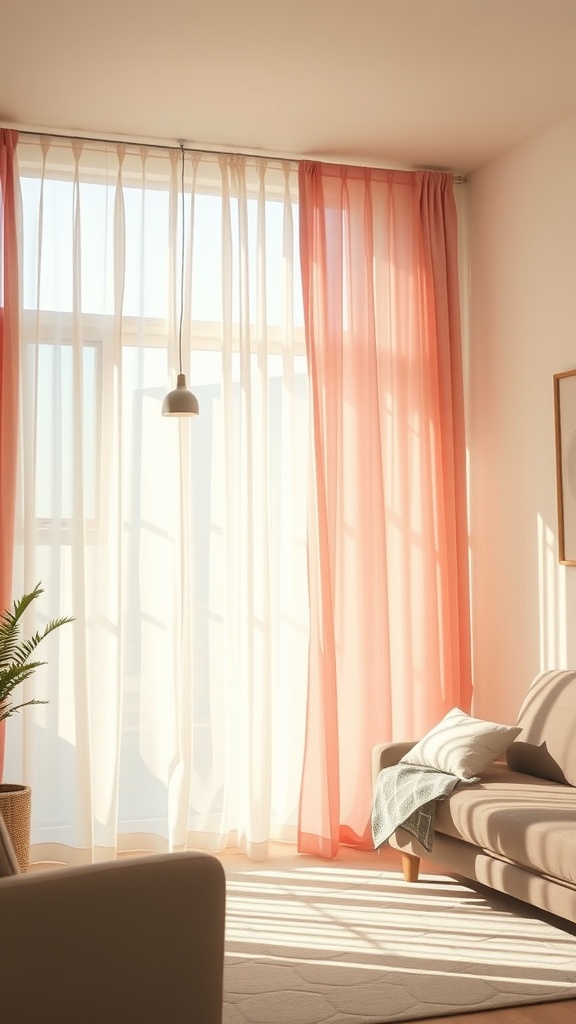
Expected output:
(435, 83)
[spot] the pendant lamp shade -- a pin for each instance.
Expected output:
(181, 401)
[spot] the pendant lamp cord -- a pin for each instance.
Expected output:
(182, 262)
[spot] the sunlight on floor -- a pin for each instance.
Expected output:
(369, 919)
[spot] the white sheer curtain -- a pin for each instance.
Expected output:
(175, 714)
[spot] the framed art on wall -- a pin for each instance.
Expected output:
(565, 425)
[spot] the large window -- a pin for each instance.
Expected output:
(176, 703)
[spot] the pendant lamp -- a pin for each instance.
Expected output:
(181, 401)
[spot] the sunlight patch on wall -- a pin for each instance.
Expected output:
(552, 611)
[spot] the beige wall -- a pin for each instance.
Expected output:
(522, 233)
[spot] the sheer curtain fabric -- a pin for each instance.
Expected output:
(176, 700)
(9, 359)
(390, 639)
(267, 590)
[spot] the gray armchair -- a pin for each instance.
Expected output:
(140, 939)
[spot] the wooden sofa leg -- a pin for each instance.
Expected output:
(410, 867)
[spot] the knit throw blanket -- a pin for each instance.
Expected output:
(406, 795)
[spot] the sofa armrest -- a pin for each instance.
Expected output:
(386, 754)
(140, 939)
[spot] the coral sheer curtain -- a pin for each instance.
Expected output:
(8, 371)
(388, 571)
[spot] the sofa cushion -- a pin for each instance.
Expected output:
(527, 820)
(461, 745)
(545, 747)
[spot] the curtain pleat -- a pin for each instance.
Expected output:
(390, 639)
(9, 370)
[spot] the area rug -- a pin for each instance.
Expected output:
(347, 941)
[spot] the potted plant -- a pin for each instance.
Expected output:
(15, 667)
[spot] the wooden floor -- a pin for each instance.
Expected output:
(544, 1013)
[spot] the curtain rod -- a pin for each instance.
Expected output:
(459, 179)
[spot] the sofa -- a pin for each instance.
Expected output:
(515, 829)
(140, 939)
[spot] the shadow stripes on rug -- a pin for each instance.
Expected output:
(315, 942)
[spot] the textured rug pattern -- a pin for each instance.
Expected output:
(316, 942)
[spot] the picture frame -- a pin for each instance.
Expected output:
(565, 435)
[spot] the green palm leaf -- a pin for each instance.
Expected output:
(15, 664)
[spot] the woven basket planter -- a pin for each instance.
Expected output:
(15, 807)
